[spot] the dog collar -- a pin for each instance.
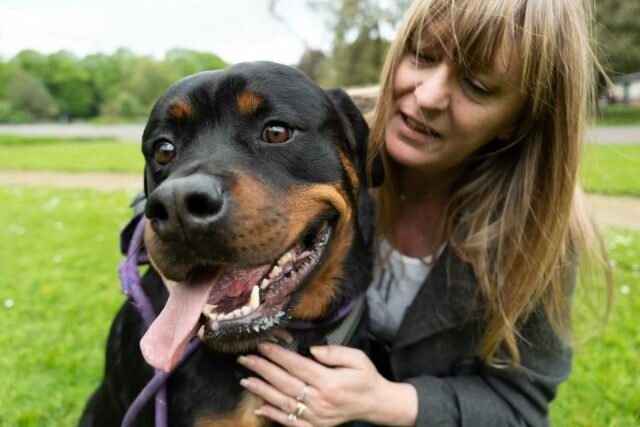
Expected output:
(335, 330)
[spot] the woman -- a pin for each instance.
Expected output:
(479, 124)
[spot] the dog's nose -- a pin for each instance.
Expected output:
(188, 205)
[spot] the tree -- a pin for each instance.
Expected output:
(145, 79)
(315, 64)
(618, 34)
(104, 75)
(27, 93)
(70, 85)
(360, 30)
(190, 61)
(31, 61)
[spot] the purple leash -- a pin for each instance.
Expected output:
(130, 285)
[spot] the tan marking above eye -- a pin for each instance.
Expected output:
(180, 109)
(164, 152)
(248, 102)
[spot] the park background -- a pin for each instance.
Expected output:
(72, 74)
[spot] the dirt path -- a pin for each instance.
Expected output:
(95, 180)
(614, 211)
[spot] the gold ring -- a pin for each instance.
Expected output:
(300, 410)
(304, 393)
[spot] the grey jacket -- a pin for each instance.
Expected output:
(435, 351)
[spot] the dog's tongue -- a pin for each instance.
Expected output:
(166, 339)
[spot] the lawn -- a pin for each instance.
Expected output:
(75, 155)
(611, 169)
(59, 291)
(603, 387)
(619, 115)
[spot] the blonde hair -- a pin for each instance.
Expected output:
(516, 214)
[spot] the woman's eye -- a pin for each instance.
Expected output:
(477, 87)
(164, 152)
(276, 134)
(421, 56)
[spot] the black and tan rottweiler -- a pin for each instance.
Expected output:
(257, 216)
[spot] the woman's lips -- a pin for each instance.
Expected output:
(418, 126)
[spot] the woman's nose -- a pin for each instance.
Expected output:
(433, 88)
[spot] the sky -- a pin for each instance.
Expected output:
(235, 30)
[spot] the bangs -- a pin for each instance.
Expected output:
(472, 33)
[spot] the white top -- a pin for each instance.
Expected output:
(396, 281)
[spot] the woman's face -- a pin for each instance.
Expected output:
(442, 113)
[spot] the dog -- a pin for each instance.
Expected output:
(257, 216)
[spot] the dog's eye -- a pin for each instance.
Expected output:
(276, 134)
(164, 152)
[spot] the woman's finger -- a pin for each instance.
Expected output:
(340, 356)
(280, 378)
(303, 368)
(280, 417)
(270, 394)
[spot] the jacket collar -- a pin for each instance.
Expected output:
(445, 300)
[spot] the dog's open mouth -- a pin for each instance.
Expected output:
(232, 303)
(253, 300)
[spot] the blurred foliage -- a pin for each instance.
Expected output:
(618, 35)
(61, 86)
(362, 30)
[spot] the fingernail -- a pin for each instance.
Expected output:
(258, 412)
(244, 361)
(318, 351)
(244, 382)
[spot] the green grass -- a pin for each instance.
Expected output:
(619, 115)
(58, 261)
(611, 169)
(14, 140)
(603, 387)
(72, 156)
(58, 266)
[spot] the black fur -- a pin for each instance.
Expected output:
(215, 140)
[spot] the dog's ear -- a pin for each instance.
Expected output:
(360, 134)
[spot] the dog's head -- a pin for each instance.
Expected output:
(254, 178)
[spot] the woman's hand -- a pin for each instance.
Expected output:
(344, 386)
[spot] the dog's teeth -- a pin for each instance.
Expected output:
(264, 284)
(255, 298)
(208, 309)
(246, 310)
(214, 325)
(201, 332)
(236, 313)
(256, 328)
(275, 272)
(285, 258)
